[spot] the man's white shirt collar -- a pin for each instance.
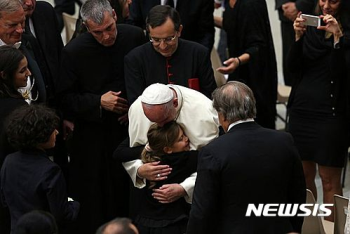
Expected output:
(239, 122)
(16, 45)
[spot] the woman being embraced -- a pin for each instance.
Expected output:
(318, 101)
(169, 145)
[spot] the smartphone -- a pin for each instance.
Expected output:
(311, 20)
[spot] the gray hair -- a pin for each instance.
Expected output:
(123, 223)
(9, 6)
(235, 101)
(94, 10)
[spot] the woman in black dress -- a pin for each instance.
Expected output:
(170, 146)
(252, 54)
(318, 101)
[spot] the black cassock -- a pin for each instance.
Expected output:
(88, 71)
(188, 64)
(248, 31)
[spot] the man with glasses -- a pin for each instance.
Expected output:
(167, 58)
(93, 96)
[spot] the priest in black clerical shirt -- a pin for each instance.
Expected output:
(167, 58)
(92, 92)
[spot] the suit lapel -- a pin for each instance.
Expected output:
(39, 18)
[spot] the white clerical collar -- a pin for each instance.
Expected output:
(239, 122)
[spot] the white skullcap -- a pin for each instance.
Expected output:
(156, 94)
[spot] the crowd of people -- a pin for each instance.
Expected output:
(123, 129)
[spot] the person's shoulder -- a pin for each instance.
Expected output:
(192, 45)
(189, 93)
(277, 135)
(140, 51)
(81, 42)
(129, 29)
(9, 104)
(41, 6)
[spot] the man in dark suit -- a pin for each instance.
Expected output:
(247, 165)
(287, 12)
(197, 17)
(43, 34)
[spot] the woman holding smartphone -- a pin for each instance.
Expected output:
(318, 101)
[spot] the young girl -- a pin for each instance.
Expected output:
(29, 179)
(171, 146)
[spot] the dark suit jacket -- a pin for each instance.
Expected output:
(196, 17)
(249, 164)
(31, 181)
(50, 41)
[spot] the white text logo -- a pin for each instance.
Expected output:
(288, 210)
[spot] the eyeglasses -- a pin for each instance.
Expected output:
(157, 41)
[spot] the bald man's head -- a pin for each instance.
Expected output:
(118, 226)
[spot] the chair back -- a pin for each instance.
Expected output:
(216, 62)
(312, 224)
(340, 212)
(69, 24)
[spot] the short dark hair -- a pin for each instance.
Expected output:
(30, 125)
(235, 101)
(36, 222)
(124, 223)
(10, 59)
(159, 14)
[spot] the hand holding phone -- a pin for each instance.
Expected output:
(311, 20)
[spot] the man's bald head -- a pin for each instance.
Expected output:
(118, 226)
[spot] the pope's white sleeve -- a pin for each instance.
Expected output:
(188, 185)
(131, 168)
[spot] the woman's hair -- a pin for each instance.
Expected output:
(36, 222)
(158, 139)
(10, 59)
(30, 125)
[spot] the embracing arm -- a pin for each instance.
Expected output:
(124, 153)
